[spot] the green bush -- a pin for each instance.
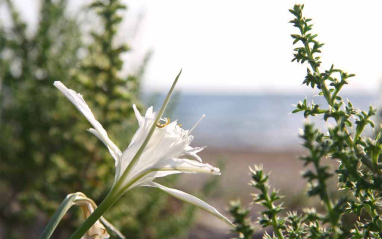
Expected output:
(46, 152)
(356, 213)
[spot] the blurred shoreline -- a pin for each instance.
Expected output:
(249, 122)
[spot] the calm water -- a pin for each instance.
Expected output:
(248, 121)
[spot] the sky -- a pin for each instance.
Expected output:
(244, 46)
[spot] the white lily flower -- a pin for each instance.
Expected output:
(168, 151)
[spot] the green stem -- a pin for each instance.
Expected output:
(98, 212)
(109, 200)
(275, 225)
(325, 197)
(365, 160)
(60, 212)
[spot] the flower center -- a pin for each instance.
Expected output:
(159, 125)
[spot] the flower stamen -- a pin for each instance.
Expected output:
(159, 125)
(201, 118)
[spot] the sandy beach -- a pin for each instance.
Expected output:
(284, 166)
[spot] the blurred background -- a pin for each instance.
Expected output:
(237, 70)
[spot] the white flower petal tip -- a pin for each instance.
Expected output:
(192, 200)
(150, 112)
(214, 170)
(138, 115)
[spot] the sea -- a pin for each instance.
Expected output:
(250, 122)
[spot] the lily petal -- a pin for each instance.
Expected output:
(192, 200)
(81, 105)
(184, 166)
(138, 115)
(116, 154)
(173, 166)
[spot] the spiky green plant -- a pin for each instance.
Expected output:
(359, 173)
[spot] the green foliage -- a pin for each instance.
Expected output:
(34, 176)
(241, 221)
(46, 152)
(360, 168)
(267, 200)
